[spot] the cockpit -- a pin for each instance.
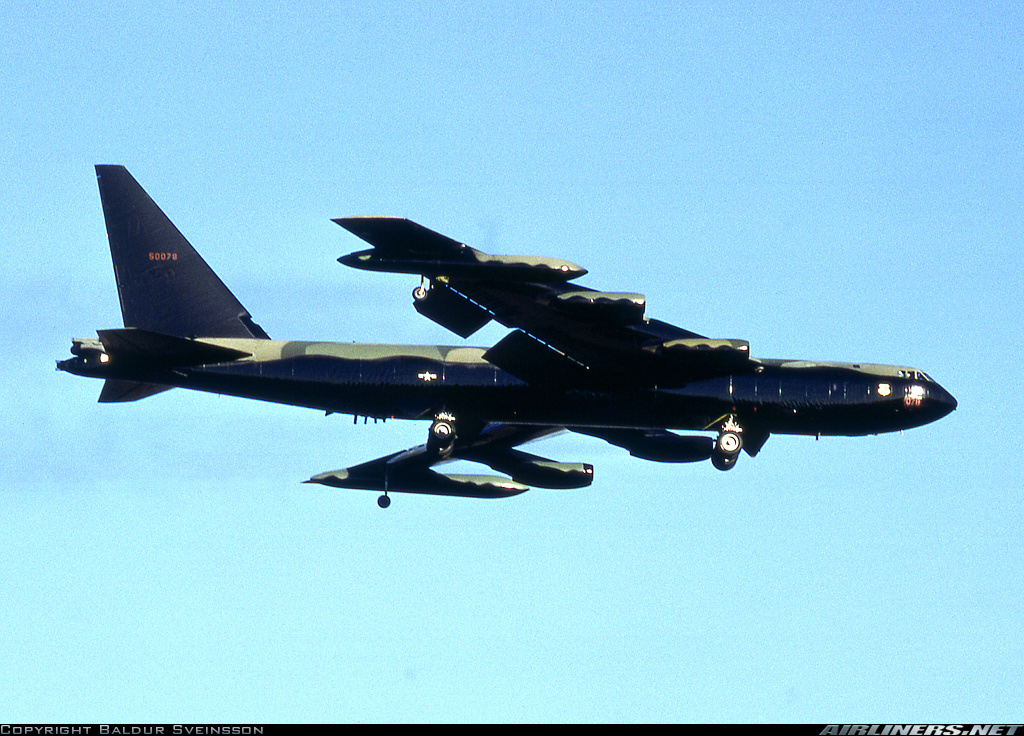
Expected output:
(914, 375)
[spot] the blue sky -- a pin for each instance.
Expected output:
(829, 181)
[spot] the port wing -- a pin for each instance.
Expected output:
(494, 445)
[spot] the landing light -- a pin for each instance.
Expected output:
(914, 396)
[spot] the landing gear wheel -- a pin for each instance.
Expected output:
(441, 437)
(723, 462)
(729, 443)
(384, 501)
(419, 293)
(442, 429)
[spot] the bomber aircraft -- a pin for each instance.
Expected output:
(575, 359)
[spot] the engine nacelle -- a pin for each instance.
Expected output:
(702, 351)
(665, 447)
(533, 470)
(550, 474)
(620, 308)
(449, 309)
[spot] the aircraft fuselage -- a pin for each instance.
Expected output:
(419, 382)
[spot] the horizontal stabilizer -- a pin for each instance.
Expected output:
(154, 348)
(115, 391)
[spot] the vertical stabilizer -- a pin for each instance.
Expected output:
(164, 285)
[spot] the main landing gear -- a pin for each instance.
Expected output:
(440, 442)
(728, 445)
(441, 439)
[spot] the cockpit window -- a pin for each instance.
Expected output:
(914, 375)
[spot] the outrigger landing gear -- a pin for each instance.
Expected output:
(728, 445)
(384, 501)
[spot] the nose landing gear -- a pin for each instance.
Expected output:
(728, 445)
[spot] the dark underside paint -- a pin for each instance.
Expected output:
(826, 401)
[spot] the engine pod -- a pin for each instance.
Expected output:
(620, 308)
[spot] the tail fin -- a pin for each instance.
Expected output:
(164, 285)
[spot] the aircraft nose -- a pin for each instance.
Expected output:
(942, 399)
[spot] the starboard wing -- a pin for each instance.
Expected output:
(588, 335)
